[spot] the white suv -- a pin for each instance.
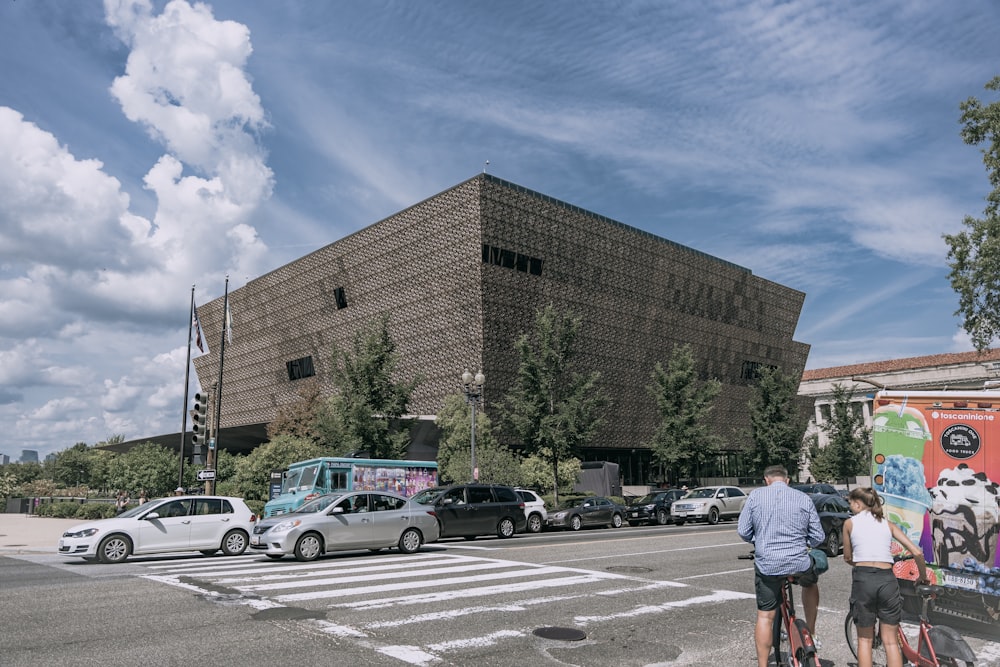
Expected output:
(534, 510)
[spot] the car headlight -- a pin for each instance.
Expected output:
(560, 515)
(86, 532)
(285, 526)
(648, 508)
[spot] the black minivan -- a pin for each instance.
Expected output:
(470, 510)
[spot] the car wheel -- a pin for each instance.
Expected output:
(616, 520)
(506, 527)
(309, 547)
(662, 517)
(576, 523)
(114, 549)
(679, 522)
(534, 523)
(208, 552)
(275, 556)
(832, 544)
(713, 515)
(234, 543)
(410, 541)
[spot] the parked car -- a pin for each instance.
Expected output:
(653, 508)
(833, 512)
(534, 510)
(815, 488)
(591, 511)
(470, 510)
(178, 523)
(709, 503)
(346, 521)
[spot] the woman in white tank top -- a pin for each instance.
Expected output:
(875, 594)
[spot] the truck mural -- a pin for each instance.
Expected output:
(936, 464)
(305, 480)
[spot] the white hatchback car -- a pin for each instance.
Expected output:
(534, 510)
(179, 523)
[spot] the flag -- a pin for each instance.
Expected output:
(196, 328)
(229, 324)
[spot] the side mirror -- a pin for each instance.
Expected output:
(337, 510)
(447, 501)
(151, 515)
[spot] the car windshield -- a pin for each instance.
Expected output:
(317, 505)
(645, 500)
(135, 511)
(702, 493)
(428, 496)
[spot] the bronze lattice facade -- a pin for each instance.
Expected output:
(462, 275)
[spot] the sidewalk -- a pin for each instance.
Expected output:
(22, 533)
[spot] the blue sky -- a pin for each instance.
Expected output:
(146, 147)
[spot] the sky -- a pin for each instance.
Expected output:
(148, 147)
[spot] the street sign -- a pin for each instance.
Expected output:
(206, 475)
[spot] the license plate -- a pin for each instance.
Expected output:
(634, 515)
(961, 581)
(680, 513)
(60, 544)
(254, 540)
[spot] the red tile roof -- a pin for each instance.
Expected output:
(911, 363)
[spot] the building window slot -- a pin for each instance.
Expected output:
(300, 368)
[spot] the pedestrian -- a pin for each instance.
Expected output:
(142, 497)
(868, 536)
(121, 502)
(783, 525)
(179, 491)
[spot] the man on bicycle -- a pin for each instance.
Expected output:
(782, 524)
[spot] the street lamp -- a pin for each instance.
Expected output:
(473, 388)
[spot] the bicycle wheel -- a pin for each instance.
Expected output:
(878, 650)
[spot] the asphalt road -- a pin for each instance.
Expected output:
(638, 596)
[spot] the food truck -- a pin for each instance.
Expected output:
(936, 464)
(310, 479)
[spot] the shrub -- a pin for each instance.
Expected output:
(92, 511)
(63, 509)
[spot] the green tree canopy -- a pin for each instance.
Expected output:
(71, 467)
(553, 408)
(252, 474)
(974, 254)
(497, 464)
(848, 450)
(777, 423)
(301, 417)
(683, 439)
(364, 413)
(536, 473)
(146, 466)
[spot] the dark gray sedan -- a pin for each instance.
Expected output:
(591, 511)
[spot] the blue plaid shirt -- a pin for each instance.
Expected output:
(782, 524)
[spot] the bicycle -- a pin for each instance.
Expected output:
(937, 645)
(791, 634)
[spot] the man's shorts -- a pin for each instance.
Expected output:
(768, 587)
(875, 593)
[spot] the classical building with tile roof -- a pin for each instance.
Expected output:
(953, 370)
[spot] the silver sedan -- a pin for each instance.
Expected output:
(347, 521)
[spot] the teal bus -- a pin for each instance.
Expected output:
(310, 479)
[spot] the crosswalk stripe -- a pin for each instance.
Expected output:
(409, 585)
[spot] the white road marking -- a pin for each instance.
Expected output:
(717, 596)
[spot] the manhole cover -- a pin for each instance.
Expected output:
(562, 634)
(633, 569)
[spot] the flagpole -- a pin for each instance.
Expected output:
(214, 443)
(187, 384)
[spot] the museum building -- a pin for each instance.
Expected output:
(462, 275)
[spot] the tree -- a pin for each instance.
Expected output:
(536, 473)
(848, 450)
(683, 438)
(72, 466)
(252, 475)
(300, 418)
(777, 424)
(364, 414)
(974, 254)
(146, 466)
(497, 464)
(553, 408)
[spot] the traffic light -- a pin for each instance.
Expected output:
(199, 430)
